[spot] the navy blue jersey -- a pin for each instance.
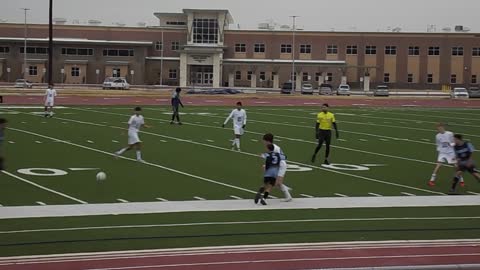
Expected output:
(272, 164)
(464, 152)
(176, 99)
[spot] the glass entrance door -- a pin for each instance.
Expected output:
(201, 75)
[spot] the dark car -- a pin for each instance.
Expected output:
(474, 92)
(287, 88)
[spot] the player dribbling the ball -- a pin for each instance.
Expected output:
(134, 124)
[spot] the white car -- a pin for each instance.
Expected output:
(21, 83)
(343, 90)
(116, 83)
(307, 88)
(460, 92)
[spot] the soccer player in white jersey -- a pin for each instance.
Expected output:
(267, 140)
(134, 124)
(446, 153)
(49, 99)
(239, 117)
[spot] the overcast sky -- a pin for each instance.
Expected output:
(341, 15)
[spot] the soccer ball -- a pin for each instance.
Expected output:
(101, 176)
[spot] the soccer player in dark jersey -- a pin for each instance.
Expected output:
(3, 126)
(271, 167)
(323, 132)
(464, 151)
(176, 102)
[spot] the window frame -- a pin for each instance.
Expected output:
(370, 50)
(413, 51)
(305, 48)
(259, 48)
(286, 48)
(353, 50)
(332, 49)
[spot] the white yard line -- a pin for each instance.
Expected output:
(91, 142)
(134, 160)
(408, 194)
(39, 142)
(375, 194)
(122, 200)
(43, 188)
(363, 140)
(210, 141)
(340, 195)
(307, 196)
(199, 198)
(41, 203)
(473, 193)
(235, 197)
(11, 142)
(293, 162)
(162, 200)
(114, 141)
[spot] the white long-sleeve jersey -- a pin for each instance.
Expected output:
(239, 118)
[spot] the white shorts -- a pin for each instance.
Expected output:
(238, 130)
(283, 169)
(133, 138)
(49, 103)
(448, 158)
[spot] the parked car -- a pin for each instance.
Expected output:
(307, 88)
(460, 92)
(116, 83)
(287, 88)
(474, 92)
(381, 91)
(21, 83)
(343, 90)
(325, 89)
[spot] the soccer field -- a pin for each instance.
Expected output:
(382, 152)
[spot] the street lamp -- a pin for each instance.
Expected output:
(25, 68)
(294, 77)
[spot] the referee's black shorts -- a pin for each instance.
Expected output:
(324, 135)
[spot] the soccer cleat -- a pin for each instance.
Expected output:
(313, 159)
(141, 161)
(263, 202)
(257, 197)
(431, 183)
(326, 162)
(462, 184)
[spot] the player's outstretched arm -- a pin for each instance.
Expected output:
(228, 119)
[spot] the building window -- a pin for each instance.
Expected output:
(293, 76)
(176, 23)
(476, 52)
(371, 50)
(75, 72)
(329, 77)
(457, 51)
(158, 46)
(306, 48)
(429, 78)
(117, 52)
(205, 31)
(286, 48)
(413, 50)
(77, 51)
(259, 48)
(317, 76)
(474, 79)
(238, 75)
(116, 72)
(352, 50)
(433, 50)
(453, 78)
(32, 70)
(34, 50)
(4, 50)
(386, 77)
(249, 75)
(172, 74)
(332, 49)
(175, 46)
(240, 48)
(391, 50)
(263, 76)
(410, 78)
(305, 76)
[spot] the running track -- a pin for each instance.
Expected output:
(259, 100)
(279, 257)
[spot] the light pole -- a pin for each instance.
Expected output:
(50, 42)
(25, 68)
(294, 77)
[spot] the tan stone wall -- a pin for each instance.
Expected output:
(371, 61)
(414, 67)
(39, 78)
(390, 66)
(433, 67)
(352, 73)
(286, 56)
(123, 70)
(456, 67)
(305, 56)
(73, 79)
(332, 57)
(259, 55)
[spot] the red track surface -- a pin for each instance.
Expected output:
(266, 258)
(261, 100)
